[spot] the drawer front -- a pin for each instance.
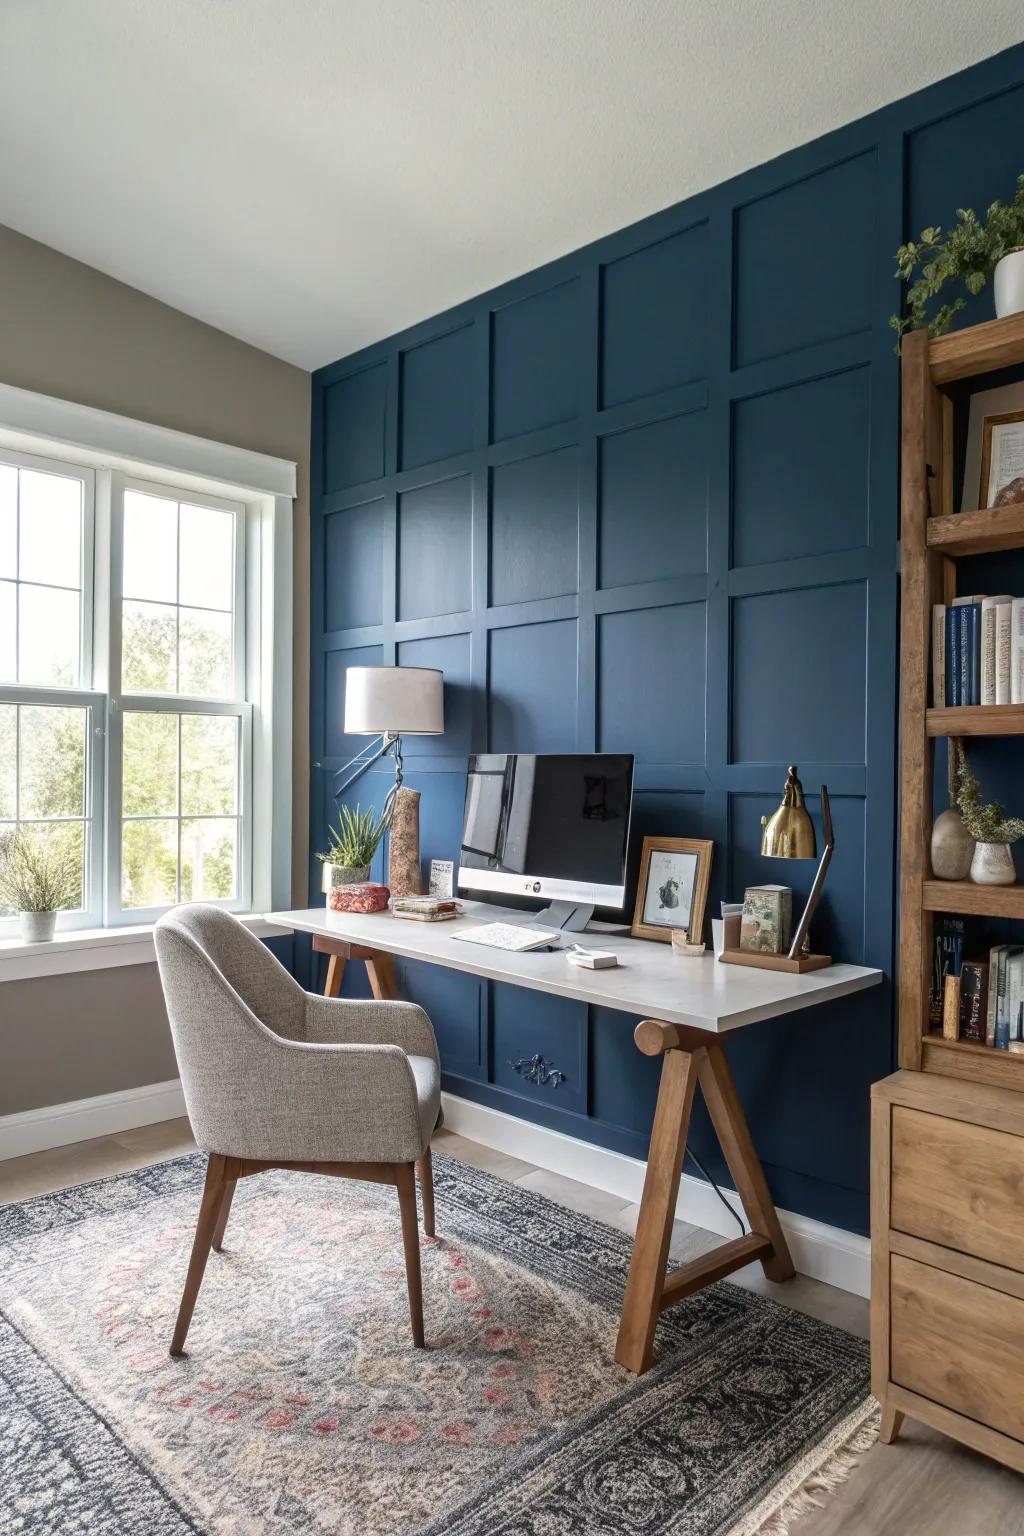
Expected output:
(959, 1344)
(959, 1185)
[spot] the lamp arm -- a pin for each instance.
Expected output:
(361, 763)
(819, 878)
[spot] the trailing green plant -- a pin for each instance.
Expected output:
(985, 823)
(38, 875)
(968, 253)
(356, 838)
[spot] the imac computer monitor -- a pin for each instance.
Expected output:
(549, 826)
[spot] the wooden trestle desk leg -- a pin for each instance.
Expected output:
(380, 966)
(691, 1056)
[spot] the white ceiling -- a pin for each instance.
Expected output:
(312, 175)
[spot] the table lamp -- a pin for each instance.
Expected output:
(789, 834)
(389, 702)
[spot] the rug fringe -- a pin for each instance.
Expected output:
(812, 1492)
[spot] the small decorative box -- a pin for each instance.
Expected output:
(362, 897)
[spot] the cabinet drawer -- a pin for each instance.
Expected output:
(958, 1184)
(959, 1344)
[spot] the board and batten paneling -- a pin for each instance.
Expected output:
(645, 498)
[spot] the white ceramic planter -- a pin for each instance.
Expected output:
(992, 864)
(1008, 282)
(342, 874)
(38, 927)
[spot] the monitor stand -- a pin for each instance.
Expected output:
(569, 916)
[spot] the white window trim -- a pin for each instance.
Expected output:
(63, 432)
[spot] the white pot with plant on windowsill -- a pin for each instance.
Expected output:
(38, 879)
(353, 843)
(993, 833)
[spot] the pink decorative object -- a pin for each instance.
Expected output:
(363, 897)
(405, 873)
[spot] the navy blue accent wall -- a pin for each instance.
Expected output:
(645, 499)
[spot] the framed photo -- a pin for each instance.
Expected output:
(994, 460)
(673, 889)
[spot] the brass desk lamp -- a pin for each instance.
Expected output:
(789, 834)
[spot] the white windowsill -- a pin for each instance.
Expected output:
(98, 949)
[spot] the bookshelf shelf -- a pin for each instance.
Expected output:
(977, 533)
(971, 900)
(976, 720)
(978, 349)
(982, 1064)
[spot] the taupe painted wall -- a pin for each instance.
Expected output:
(70, 331)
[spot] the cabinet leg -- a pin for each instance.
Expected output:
(892, 1423)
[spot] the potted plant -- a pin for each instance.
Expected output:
(38, 879)
(992, 863)
(971, 253)
(353, 843)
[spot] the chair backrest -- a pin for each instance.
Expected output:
(223, 989)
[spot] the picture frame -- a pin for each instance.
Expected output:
(995, 441)
(672, 892)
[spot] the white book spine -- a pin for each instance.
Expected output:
(1017, 651)
(1004, 625)
(939, 697)
(990, 609)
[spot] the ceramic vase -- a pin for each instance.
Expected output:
(952, 847)
(992, 864)
(38, 927)
(1008, 282)
(342, 874)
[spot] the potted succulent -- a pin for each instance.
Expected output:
(971, 252)
(38, 879)
(353, 843)
(992, 863)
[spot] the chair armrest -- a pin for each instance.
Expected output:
(333, 1020)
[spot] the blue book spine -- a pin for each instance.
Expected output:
(952, 656)
(975, 626)
(964, 659)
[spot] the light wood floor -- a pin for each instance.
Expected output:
(925, 1485)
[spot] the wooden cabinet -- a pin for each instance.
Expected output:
(947, 1256)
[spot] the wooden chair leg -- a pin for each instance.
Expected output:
(209, 1211)
(425, 1169)
(892, 1423)
(642, 1303)
(222, 1219)
(406, 1181)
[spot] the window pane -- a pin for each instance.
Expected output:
(148, 648)
(207, 557)
(8, 632)
(150, 560)
(48, 640)
(8, 521)
(50, 529)
(64, 840)
(52, 761)
(8, 761)
(204, 651)
(208, 860)
(149, 863)
(150, 764)
(209, 759)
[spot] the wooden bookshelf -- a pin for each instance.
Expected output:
(976, 720)
(977, 533)
(972, 900)
(978, 349)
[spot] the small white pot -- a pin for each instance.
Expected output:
(37, 927)
(342, 874)
(1008, 281)
(992, 864)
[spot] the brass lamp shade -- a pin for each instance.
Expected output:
(789, 834)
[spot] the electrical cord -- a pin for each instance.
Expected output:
(736, 1218)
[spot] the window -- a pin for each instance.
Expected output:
(126, 725)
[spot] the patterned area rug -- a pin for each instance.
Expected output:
(303, 1408)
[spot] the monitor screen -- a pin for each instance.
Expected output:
(548, 825)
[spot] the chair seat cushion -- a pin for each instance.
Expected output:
(428, 1093)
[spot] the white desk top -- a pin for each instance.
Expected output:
(650, 979)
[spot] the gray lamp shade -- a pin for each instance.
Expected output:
(406, 701)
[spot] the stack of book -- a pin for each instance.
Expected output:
(978, 651)
(425, 909)
(984, 999)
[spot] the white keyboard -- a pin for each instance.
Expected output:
(509, 936)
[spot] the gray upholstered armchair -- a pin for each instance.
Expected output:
(277, 1078)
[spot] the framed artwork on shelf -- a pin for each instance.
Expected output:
(994, 459)
(673, 889)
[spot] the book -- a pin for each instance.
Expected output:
(951, 1008)
(992, 1003)
(952, 667)
(1004, 630)
(1014, 997)
(1017, 651)
(767, 919)
(973, 1000)
(968, 622)
(424, 917)
(990, 609)
(947, 959)
(426, 905)
(939, 655)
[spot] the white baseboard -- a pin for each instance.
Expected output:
(57, 1125)
(826, 1253)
